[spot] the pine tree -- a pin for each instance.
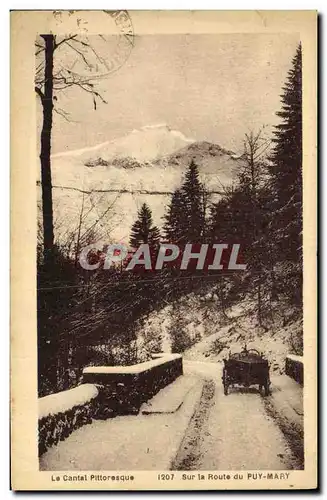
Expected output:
(143, 230)
(231, 219)
(175, 218)
(154, 237)
(241, 215)
(185, 218)
(286, 168)
(179, 337)
(193, 194)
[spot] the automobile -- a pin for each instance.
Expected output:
(246, 368)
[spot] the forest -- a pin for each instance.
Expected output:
(92, 317)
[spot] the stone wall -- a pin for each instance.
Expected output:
(294, 367)
(106, 391)
(123, 389)
(62, 413)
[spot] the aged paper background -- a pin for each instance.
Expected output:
(24, 165)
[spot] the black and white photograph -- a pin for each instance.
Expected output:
(169, 254)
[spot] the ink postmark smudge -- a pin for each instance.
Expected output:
(124, 39)
(114, 40)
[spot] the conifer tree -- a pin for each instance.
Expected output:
(154, 237)
(185, 218)
(175, 218)
(179, 337)
(143, 230)
(241, 214)
(192, 192)
(286, 168)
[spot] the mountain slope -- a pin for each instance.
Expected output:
(213, 333)
(147, 143)
(147, 165)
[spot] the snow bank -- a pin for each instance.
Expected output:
(285, 405)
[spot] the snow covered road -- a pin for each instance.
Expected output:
(231, 432)
(190, 425)
(147, 441)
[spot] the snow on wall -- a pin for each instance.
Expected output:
(62, 413)
(112, 391)
(294, 367)
(133, 369)
(125, 388)
(65, 400)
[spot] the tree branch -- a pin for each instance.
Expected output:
(62, 113)
(99, 58)
(80, 53)
(64, 41)
(39, 92)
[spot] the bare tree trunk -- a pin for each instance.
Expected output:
(204, 208)
(79, 231)
(221, 297)
(252, 146)
(47, 104)
(259, 302)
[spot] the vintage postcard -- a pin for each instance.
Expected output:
(163, 272)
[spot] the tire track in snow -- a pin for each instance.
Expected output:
(232, 432)
(294, 434)
(189, 453)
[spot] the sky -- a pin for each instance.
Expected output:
(209, 87)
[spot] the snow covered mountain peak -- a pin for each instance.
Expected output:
(144, 166)
(144, 144)
(154, 126)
